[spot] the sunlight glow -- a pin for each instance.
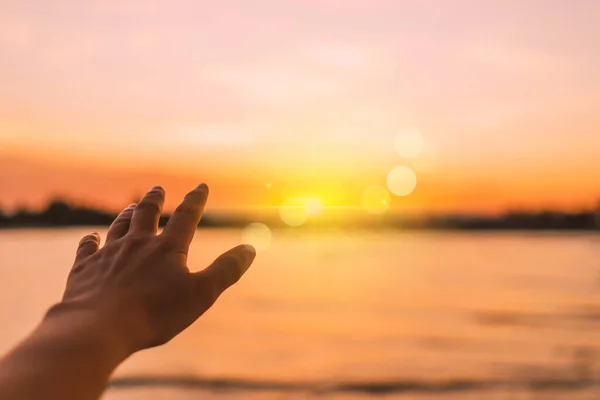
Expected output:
(314, 206)
(401, 181)
(258, 235)
(428, 159)
(376, 199)
(293, 211)
(409, 143)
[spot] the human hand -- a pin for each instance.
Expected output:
(137, 288)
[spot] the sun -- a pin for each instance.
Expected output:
(314, 206)
(295, 211)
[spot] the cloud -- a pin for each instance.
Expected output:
(210, 135)
(277, 85)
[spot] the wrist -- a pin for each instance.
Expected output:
(93, 331)
(71, 354)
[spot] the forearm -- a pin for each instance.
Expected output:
(69, 356)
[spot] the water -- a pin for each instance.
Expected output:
(354, 315)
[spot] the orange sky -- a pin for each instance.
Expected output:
(101, 100)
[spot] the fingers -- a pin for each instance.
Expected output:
(182, 225)
(147, 212)
(226, 270)
(88, 245)
(120, 225)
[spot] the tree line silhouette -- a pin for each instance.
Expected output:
(62, 213)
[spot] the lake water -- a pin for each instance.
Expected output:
(355, 315)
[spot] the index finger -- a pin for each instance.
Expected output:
(182, 225)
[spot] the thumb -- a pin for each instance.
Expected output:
(226, 270)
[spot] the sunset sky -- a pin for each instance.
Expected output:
(267, 99)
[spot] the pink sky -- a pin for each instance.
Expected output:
(307, 94)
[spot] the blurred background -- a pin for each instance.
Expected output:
(420, 178)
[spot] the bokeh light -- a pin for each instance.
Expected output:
(314, 206)
(409, 143)
(258, 235)
(293, 211)
(376, 199)
(401, 181)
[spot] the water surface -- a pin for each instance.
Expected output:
(345, 315)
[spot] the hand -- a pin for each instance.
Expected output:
(137, 289)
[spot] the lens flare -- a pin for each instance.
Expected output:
(314, 206)
(258, 235)
(376, 199)
(401, 181)
(409, 143)
(293, 212)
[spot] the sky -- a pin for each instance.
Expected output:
(268, 100)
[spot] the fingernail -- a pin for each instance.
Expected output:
(131, 206)
(157, 189)
(202, 186)
(249, 253)
(95, 234)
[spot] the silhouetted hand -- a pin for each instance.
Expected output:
(135, 292)
(137, 289)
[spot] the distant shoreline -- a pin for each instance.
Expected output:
(324, 228)
(59, 214)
